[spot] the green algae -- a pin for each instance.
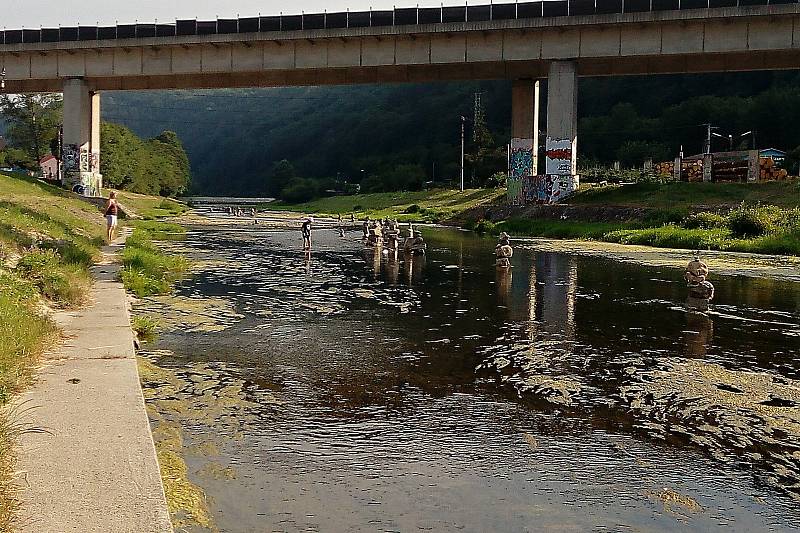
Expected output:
(196, 394)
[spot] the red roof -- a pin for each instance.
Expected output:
(46, 158)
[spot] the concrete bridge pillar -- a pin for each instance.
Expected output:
(80, 149)
(561, 146)
(525, 127)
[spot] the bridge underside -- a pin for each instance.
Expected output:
(509, 70)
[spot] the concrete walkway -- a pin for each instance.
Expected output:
(95, 469)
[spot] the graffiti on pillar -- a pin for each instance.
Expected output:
(544, 189)
(558, 157)
(521, 160)
(520, 168)
(514, 191)
(71, 158)
(94, 162)
(84, 160)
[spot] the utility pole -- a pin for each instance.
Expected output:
(709, 127)
(463, 120)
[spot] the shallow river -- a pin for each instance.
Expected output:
(351, 391)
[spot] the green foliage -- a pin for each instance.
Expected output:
(146, 269)
(64, 284)
(431, 206)
(33, 121)
(404, 177)
(300, 190)
(753, 221)
(670, 236)
(158, 166)
(282, 174)
(556, 229)
(25, 333)
(704, 220)
(145, 327)
(16, 158)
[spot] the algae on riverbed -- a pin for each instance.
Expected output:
(197, 394)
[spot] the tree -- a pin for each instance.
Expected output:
(33, 121)
(485, 158)
(156, 166)
(282, 173)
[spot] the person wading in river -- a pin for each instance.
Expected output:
(111, 216)
(305, 229)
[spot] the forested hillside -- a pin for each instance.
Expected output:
(235, 138)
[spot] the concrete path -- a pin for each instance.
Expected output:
(95, 469)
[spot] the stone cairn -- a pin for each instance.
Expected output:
(503, 251)
(701, 291)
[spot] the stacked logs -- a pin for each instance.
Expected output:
(733, 171)
(666, 168)
(692, 170)
(769, 171)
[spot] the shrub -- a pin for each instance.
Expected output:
(754, 221)
(413, 208)
(704, 220)
(484, 226)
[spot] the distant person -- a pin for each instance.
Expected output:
(352, 217)
(305, 229)
(339, 217)
(111, 216)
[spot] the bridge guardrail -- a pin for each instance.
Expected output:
(363, 19)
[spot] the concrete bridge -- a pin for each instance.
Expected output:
(559, 40)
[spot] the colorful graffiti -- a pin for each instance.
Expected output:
(545, 189)
(521, 158)
(514, 191)
(71, 158)
(94, 162)
(558, 157)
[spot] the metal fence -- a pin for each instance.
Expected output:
(365, 19)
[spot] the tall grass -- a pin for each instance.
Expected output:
(146, 269)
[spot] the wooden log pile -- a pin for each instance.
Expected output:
(666, 168)
(692, 170)
(735, 171)
(769, 171)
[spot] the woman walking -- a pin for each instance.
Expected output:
(111, 216)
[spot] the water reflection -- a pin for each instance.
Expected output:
(609, 391)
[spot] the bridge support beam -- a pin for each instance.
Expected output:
(561, 146)
(80, 148)
(525, 125)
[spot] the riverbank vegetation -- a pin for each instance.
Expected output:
(147, 270)
(415, 206)
(765, 229)
(48, 240)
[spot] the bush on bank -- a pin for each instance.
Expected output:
(745, 228)
(146, 269)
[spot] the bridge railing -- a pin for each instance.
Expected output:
(366, 19)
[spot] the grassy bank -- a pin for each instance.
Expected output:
(147, 270)
(415, 206)
(746, 228)
(149, 207)
(683, 195)
(48, 240)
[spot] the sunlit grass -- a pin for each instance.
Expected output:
(428, 206)
(146, 269)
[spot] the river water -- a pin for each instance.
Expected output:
(352, 391)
